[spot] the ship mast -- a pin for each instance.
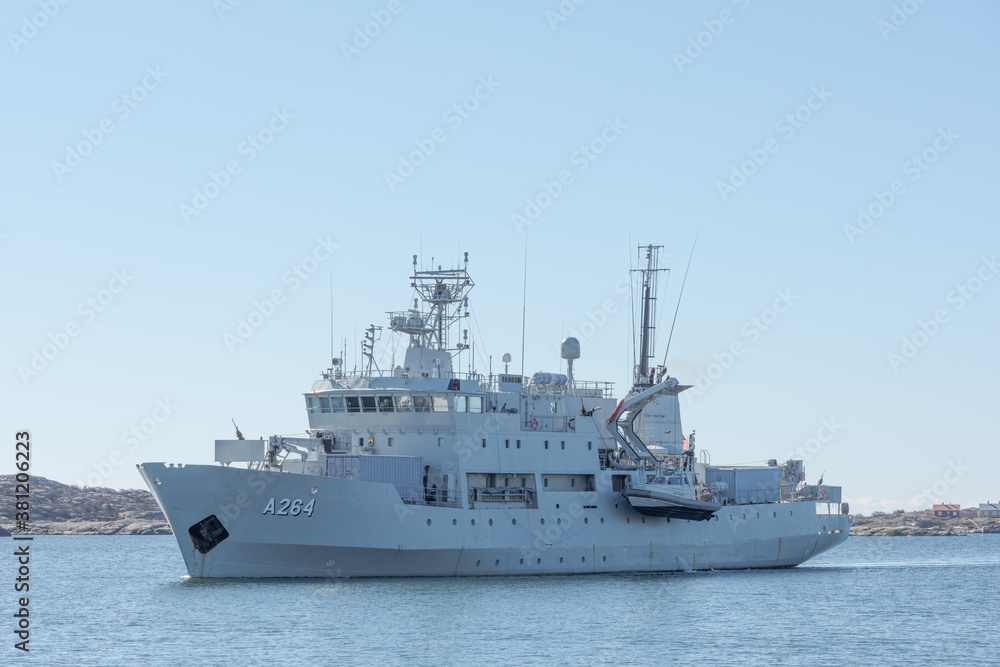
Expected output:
(643, 372)
(444, 294)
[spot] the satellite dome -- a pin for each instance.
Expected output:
(570, 348)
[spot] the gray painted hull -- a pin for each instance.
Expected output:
(362, 529)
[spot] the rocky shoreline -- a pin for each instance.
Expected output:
(922, 523)
(62, 509)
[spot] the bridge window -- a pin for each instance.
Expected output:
(368, 403)
(310, 407)
(324, 403)
(422, 403)
(461, 403)
(385, 404)
(476, 404)
(403, 403)
(353, 404)
(337, 403)
(440, 403)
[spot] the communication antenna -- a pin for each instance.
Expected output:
(524, 298)
(681, 294)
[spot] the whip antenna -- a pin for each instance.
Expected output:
(677, 310)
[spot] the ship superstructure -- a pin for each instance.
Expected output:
(421, 469)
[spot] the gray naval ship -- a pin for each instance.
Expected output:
(423, 470)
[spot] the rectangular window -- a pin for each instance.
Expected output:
(506, 444)
(384, 403)
(519, 444)
(461, 403)
(353, 404)
(390, 441)
(337, 402)
(324, 403)
(484, 443)
(589, 445)
(572, 482)
(440, 403)
(476, 404)
(553, 406)
(546, 444)
(403, 403)
(309, 404)
(368, 403)
(440, 442)
(563, 443)
(422, 403)
(361, 442)
(546, 482)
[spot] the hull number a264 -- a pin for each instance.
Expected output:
(290, 507)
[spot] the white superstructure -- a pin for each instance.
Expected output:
(424, 470)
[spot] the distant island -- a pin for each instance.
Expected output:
(920, 523)
(62, 509)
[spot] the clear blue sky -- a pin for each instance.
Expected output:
(115, 114)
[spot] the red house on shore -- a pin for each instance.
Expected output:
(947, 511)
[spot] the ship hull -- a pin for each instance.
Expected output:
(363, 529)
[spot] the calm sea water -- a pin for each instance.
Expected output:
(873, 601)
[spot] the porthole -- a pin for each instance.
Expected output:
(774, 514)
(157, 481)
(454, 522)
(586, 520)
(644, 519)
(522, 561)
(539, 561)
(497, 562)
(428, 522)
(628, 519)
(730, 517)
(491, 522)
(789, 512)
(315, 490)
(758, 515)
(744, 515)
(543, 522)
(560, 559)
(602, 519)
(473, 522)
(513, 522)
(824, 529)
(477, 563)
(604, 559)
(583, 559)
(558, 520)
